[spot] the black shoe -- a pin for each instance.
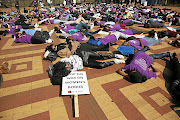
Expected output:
(12, 36)
(148, 48)
(171, 54)
(56, 29)
(5, 32)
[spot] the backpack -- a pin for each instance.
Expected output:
(40, 37)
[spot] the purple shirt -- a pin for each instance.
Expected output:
(107, 39)
(100, 22)
(141, 62)
(51, 21)
(126, 21)
(78, 36)
(127, 31)
(65, 29)
(24, 39)
(115, 27)
(136, 44)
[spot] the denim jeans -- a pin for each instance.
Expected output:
(152, 41)
(69, 17)
(158, 56)
(81, 26)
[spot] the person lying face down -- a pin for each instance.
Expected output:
(137, 70)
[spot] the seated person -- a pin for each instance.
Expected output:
(137, 71)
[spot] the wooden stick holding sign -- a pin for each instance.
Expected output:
(75, 84)
(76, 106)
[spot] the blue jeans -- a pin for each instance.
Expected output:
(152, 41)
(158, 56)
(81, 26)
(69, 17)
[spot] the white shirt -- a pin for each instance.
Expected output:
(74, 60)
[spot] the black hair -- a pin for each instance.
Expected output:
(59, 69)
(177, 43)
(137, 77)
(17, 35)
(101, 25)
(56, 29)
(151, 33)
(49, 48)
(130, 38)
(23, 32)
(17, 30)
(146, 25)
(95, 23)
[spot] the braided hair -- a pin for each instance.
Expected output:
(59, 70)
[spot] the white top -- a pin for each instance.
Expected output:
(74, 60)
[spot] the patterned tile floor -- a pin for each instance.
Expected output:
(27, 93)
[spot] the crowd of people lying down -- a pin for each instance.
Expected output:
(81, 46)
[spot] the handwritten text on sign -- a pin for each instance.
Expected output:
(75, 83)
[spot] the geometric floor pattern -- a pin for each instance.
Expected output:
(27, 94)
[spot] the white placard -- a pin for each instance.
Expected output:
(75, 84)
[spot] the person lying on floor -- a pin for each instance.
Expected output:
(70, 47)
(24, 22)
(139, 43)
(77, 61)
(38, 38)
(152, 24)
(137, 71)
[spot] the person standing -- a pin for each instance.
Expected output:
(17, 7)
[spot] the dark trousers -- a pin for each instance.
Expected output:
(89, 56)
(135, 31)
(158, 56)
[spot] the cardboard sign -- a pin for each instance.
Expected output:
(75, 84)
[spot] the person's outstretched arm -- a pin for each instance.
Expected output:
(119, 71)
(155, 70)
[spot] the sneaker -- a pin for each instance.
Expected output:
(156, 36)
(117, 61)
(164, 38)
(148, 48)
(36, 25)
(92, 26)
(170, 24)
(119, 56)
(177, 36)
